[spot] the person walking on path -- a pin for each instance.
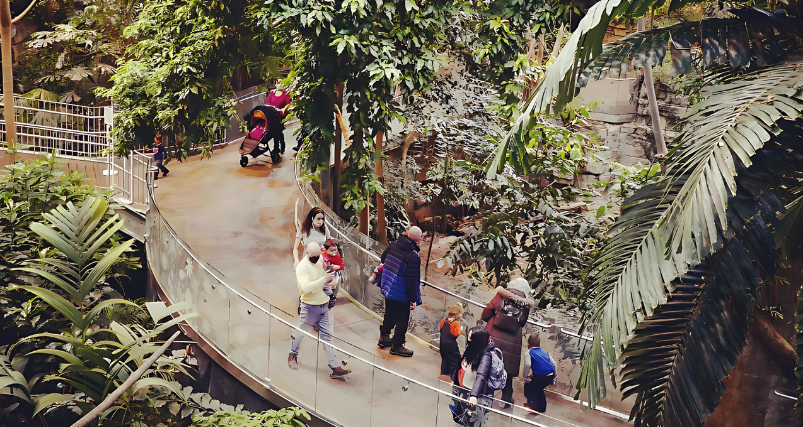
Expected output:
(401, 288)
(312, 230)
(506, 315)
(543, 374)
(280, 99)
(471, 380)
(159, 155)
(315, 309)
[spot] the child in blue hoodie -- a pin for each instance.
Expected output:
(543, 374)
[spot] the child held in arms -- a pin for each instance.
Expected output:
(332, 261)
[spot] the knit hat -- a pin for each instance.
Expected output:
(520, 284)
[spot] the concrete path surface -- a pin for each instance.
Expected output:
(240, 220)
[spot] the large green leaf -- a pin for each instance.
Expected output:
(77, 233)
(660, 237)
(707, 316)
(47, 400)
(59, 303)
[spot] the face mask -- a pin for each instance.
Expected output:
(314, 259)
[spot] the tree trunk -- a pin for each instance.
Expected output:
(337, 170)
(363, 214)
(766, 365)
(658, 133)
(407, 143)
(558, 41)
(539, 57)
(8, 79)
(381, 232)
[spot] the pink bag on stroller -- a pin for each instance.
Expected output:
(256, 133)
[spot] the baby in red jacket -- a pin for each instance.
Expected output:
(332, 261)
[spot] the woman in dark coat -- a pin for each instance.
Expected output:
(506, 315)
(471, 380)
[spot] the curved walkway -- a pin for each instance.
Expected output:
(240, 221)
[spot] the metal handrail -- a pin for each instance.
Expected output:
(425, 283)
(154, 210)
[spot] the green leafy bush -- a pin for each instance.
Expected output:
(283, 417)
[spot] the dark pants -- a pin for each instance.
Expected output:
(507, 392)
(161, 167)
(397, 314)
(534, 391)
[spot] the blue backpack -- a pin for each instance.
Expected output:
(497, 377)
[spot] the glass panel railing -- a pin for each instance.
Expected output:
(555, 327)
(299, 385)
(257, 338)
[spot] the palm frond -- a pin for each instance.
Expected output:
(716, 40)
(660, 237)
(707, 316)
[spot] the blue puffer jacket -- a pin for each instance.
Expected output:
(402, 271)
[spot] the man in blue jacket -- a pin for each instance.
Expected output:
(401, 279)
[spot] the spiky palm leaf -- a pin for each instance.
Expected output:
(708, 314)
(78, 234)
(680, 222)
(733, 41)
(750, 35)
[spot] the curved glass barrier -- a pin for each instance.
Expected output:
(255, 336)
(362, 253)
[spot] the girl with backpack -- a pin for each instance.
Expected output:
(506, 315)
(481, 372)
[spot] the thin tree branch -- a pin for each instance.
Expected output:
(110, 399)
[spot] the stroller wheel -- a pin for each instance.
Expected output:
(275, 157)
(243, 161)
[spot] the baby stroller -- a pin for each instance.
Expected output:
(263, 123)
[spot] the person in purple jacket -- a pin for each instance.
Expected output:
(401, 287)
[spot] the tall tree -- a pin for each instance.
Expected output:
(176, 77)
(369, 48)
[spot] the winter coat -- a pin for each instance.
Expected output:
(401, 276)
(509, 343)
(480, 387)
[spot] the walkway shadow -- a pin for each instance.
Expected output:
(257, 168)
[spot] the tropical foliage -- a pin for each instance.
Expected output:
(677, 281)
(176, 77)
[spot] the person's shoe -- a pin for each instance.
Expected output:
(339, 372)
(528, 407)
(292, 361)
(384, 341)
(506, 405)
(165, 174)
(401, 350)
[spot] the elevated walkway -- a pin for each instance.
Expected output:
(221, 238)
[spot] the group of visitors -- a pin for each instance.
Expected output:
(492, 357)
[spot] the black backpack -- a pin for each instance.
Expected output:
(508, 318)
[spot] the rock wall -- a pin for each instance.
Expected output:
(632, 143)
